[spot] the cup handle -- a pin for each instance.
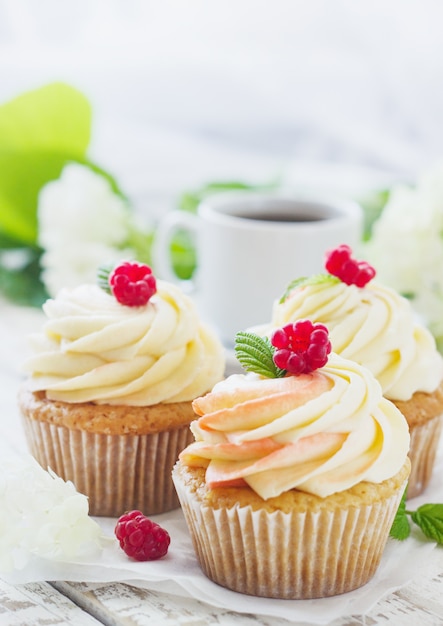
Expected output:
(161, 256)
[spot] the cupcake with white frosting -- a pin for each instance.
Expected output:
(107, 403)
(296, 472)
(375, 326)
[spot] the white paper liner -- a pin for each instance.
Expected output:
(288, 555)
(118, 473)
(422, 452)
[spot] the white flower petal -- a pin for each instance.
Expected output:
(42, 515)
(407, 245)
(82, 225)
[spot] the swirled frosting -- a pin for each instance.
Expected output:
(93, 349)
(373, 326)
(321, 433)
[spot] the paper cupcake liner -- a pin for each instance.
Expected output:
(422, 452)
(118, 473)
(288, 555)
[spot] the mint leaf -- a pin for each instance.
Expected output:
(255, 353)
(103, 273)
(305, 281)
(429, 517)
(400, 528)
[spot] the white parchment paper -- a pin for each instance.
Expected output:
(402, 561)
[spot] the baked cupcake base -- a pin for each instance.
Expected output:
(424, 414)
(297, 546)
(118, 456)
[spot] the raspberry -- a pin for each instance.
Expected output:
(336, 258)
(340, 263)
(133, 284)
(301, 347)
(140, 538)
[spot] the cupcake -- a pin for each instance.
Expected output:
(107, 400)
(373, 325)
(295, 475)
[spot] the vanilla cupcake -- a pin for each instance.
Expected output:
(293, 481)
(373, 325)
(107, 403)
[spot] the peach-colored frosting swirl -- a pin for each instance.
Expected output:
(374, 326)
(93, 349)
(321, 433)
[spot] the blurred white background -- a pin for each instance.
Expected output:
(189, 91)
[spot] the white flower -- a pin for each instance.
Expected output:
(407, 246)
(42, 515)
(75, 265)
(82, 224)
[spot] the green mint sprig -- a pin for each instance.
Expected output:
(103, 273)
(305, 281)
(428, 517)
(255, 354)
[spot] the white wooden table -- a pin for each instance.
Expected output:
(119, 604)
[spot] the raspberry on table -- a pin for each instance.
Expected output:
(141, 538)
(301, 347)
(339, 263)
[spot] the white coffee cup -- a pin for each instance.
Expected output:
(250, 246)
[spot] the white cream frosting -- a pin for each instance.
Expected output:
(374, 326)
(321, 433)
(93, 349)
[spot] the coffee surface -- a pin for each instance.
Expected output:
(269, 216)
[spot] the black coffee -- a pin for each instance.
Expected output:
(281, 210)
(283, 217)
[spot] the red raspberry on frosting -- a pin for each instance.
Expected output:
(133, 284)
(340, 263)
(301, 347)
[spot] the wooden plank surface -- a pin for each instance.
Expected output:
(419, 603)
(39, 604)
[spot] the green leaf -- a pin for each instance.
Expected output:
(103, 273)
(40, 132)
(255, 353)
(21, 177)
(372, 203)
(305, 281)
(7, 242)
(400, 528)
(183, 255)
(429, 517)
(53, 118)
(190, 200)
(140, 241)
(23, 285)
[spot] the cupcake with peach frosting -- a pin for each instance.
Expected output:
(296, 472)
(375, 326)
(107, 400)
